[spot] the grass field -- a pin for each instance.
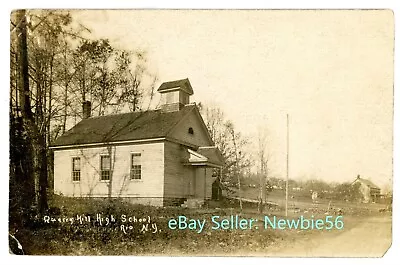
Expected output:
(303, 204)
(121, 237)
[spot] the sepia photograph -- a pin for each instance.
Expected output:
(163, 132)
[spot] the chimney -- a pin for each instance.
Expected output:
(87, 109)
(175, 94)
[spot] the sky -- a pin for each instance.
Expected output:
(330, 71)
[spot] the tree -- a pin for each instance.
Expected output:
(35, 140)
(231, 130)
(348, 192)
(48, 83)
(230, 143)
(112, 79)
(264, 155)
(132, 83)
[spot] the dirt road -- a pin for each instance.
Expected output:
(371, 237)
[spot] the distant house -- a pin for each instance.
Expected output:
(370, 192)
(158, 157)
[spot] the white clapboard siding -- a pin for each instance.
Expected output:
(182, 181)
(176, 175)
(150, 186)
(199, 136)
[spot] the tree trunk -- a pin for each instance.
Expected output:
(237, 170)
(65, 99)
(36, 143)
(112, 159)
(22, 56)
(48, 164)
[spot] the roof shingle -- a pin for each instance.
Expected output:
(123, 127)
(212, 153)
(184, 84)
(368, 183)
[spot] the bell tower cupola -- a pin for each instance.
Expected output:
(175, 94)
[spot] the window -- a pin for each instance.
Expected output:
(136, 166)
(76, 169)
(190, 131)
(105, 167)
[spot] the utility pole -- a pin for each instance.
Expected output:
(287, 163)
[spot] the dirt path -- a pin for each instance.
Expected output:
(370, 238)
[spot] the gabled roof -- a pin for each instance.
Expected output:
(204, 156)
(183, 84)
(195, 157)
(123, 127)
(367, 182)
(212, 153)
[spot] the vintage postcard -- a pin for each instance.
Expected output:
(201, 132)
